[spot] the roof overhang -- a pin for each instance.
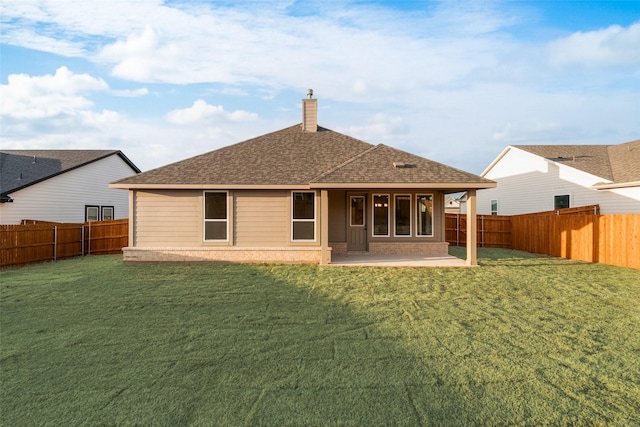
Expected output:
(206, 187)
(451, 186)
(496, 160)
(614, 185)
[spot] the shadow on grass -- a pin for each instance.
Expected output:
(206, 344)
(94, 341)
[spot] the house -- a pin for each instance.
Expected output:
(295, 195)
(62, 185)
(535, 178)
(452, 203)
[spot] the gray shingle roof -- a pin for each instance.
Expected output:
(617, 163)
(376, 165)
(293, 157)
(22, 168)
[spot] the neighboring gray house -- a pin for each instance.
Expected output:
(62, 185)
(536, 178)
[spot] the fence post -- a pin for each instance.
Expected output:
(457, 229)
(55, 242)
(89, 245)
(82, 241)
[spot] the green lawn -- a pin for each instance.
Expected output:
(521, 340)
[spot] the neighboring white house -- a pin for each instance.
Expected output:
(536, 178)
(62, 185)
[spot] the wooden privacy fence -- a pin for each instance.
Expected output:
(577, 233)
(35, 241)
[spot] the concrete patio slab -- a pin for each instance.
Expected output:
(396, 260)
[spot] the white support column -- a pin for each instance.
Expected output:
(472, 239)
(325, 254)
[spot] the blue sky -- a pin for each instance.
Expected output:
(453, 81)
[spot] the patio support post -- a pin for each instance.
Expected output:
(472, 238)
(325, 252)
(132, 213)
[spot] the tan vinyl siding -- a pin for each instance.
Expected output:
(262, 218)
(337, 216)
(169, 218)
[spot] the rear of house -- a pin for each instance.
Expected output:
(299, 195)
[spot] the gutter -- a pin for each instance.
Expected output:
(614, 185)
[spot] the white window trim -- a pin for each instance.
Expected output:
(315, 214)
(102, 210)
(395, 199)
(205, 220)
(491, 206)
(373, 215)
(433, 225)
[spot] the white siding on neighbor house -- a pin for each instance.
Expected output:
(528, 183)
(262, 218)
(63, 197)
(168, 218)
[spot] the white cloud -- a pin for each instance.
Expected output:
(200, 111)
(612, 46)
(131, 93)
(27, 97)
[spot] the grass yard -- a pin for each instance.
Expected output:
(522, 340)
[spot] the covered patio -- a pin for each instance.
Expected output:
(396, 260)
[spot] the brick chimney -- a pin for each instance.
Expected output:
(310, 113)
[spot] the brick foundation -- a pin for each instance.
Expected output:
(229, 255)
(422, 248)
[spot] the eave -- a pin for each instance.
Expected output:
(452, 186)
(614, 185)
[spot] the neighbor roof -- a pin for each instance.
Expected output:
(615, 163)
(22, 168)
(293, 158)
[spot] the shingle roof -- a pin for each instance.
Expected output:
(22, 168)
(293, 157)
(376, 165)
(616, 163)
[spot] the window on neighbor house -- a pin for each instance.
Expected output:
(215, 216)
(380, 214)
(494, 207)
(91, 213)
(303, 221)
(561, 202)
(424, 215)
(403, 215)
(106, 213)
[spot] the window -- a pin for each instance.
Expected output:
(91, 213)
(215, 216)
(107, 213)
(424, 215)
(380, 215)
(494, 207)
(303, 222)
(357, 211)
(403, 216)
(561, 202)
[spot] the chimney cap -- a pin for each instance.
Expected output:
(310, 93)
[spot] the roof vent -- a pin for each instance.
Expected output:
(402, 165)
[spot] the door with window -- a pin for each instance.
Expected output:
(357, 224)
